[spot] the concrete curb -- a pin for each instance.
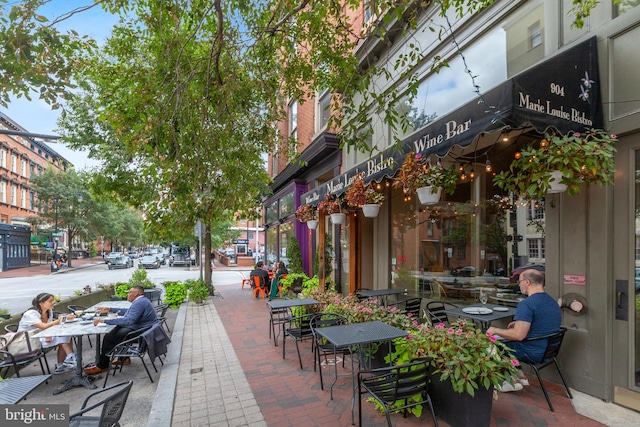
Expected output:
(162, 407)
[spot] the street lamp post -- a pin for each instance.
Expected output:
(54, 265)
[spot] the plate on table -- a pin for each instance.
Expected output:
(104, 325)
(477, 310)
(71, 320)
(500, 309)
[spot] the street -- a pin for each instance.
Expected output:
(17, 293)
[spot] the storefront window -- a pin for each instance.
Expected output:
(287, 205)
(447, 250)
(636, 270)
(286, 233)
(272, 246)
(272, 212)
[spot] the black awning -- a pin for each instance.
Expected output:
(562, 92)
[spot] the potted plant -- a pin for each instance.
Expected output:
(570, 160)
(307, 213)
(360, 195)
(417, 175)
(467, 364)
(332, 205)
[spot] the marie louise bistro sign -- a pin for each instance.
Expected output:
(562, 92)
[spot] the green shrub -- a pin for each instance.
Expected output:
(139, 278)
(289, 282)
(175, 293)
(122, 289)
(197, 291)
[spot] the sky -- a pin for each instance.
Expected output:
(38, 117)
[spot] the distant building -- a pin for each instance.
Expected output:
(21, 158)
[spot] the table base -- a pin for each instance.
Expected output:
(77, 382)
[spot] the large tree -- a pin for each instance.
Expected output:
(183, 99)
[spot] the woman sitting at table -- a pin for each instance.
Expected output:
(282, 269)
(40, 317)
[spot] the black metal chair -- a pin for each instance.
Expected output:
(550, 357)
(394, 386)
(412, 308)
(278, 316)
(161, 311)
(435, 311)
(299, 329)
(322, 348)
(73, 309)
(11, 327)
(134, 345)
(112, 407)
(16, 362)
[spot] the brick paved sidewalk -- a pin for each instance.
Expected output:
(288, 396)
(43, 269)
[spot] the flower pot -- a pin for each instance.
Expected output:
(429, 195)
(371, 210)
(338, 218)
(312, 224)
(554, 182)
(460, 409)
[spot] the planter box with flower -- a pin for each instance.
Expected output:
(307, 213)
(332, 205)
(360, 195)
(569, 160)
(467, 364)
(417, 175)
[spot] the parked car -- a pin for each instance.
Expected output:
(467, 271)
(515, 273)
(121, 262)
(134, 255)
(149, 261)
(110, 257)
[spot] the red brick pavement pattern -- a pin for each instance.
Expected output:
(288, 396)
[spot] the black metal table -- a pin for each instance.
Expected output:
(278, 306)
(78, 327)
(358, 334)
(484, 319)
(13, 390)
(382, 293)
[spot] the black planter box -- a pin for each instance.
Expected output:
(460, 409)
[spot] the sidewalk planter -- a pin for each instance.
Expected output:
(429, 195)
(312, 224)
(460, 409)
(338, 218)
(371, 210)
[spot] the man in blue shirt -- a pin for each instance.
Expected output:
(141, 314)
(536, 315)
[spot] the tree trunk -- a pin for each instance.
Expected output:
(207, 259)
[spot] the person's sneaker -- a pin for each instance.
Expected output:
(126, 361)
(506, 387)
(62, 368)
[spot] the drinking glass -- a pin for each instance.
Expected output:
(78, 313)
(63, 318)
(484, 297)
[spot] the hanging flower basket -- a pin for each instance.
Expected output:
(312, 224)
(555, 183)
(359, 195)
(416, 173)
(570, 160)
(371, 210)
(429, 195)
(305, 213)
(338, 218)
(330, 205)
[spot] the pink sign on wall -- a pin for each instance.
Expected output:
(572, 279)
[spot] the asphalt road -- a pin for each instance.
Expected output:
(16, 293)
